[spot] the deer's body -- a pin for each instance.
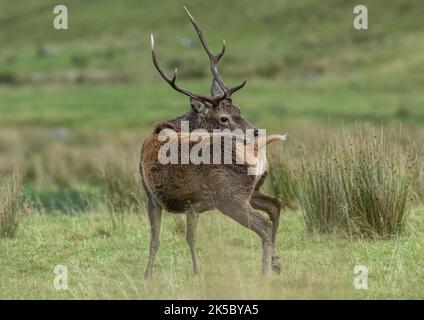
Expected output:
(192, 189)
(180, 188)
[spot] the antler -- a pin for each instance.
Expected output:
(228, 91)
(172, 81)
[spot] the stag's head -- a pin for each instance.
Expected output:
(216, 111)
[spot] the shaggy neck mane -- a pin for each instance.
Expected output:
(195, 122)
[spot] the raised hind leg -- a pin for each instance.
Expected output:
(242, 212)
(272, 206)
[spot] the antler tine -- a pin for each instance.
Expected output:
(213, 58)
(236, 88)
(219, 55)
(227, 91)
(172, 81)
(200, 34)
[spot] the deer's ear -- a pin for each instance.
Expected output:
(200, 106)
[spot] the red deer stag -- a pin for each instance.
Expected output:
(191, 188)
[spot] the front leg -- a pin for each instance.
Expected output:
(192, 219)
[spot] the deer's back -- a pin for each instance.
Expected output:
(181, 187)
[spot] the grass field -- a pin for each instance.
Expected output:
(75, 106)
(131, 107)
(107, 263)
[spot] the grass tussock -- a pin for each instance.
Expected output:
(358, 185)
(11, 204)
(120, 181)
(284, 179)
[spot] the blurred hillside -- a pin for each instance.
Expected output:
(303, 59)
(75, 106)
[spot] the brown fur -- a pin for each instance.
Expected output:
(192, 189)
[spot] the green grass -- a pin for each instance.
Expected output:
(307, 63)
(271, 105)
(309, 72)
(11, 204)
(108, 263)
(299, 37)
(362, 184)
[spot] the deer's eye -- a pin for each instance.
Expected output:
(223, 119)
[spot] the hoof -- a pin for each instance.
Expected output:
(276, 265)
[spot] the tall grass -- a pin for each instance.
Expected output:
(11, 204)
(120, 180)
(84, 169)
(358, 185)
(283, 178)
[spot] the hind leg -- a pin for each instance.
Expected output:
(272, 206)
(242, 212)
(155, 215)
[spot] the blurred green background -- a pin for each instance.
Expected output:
(76, 104)
(304, 61)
